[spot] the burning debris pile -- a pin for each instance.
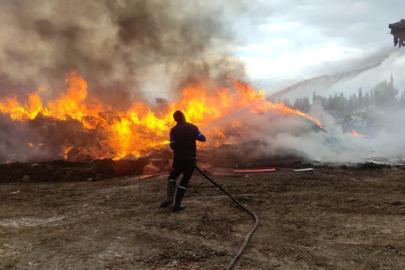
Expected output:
(103, 113)
(124, 50)
(77, 126)
(219, 160)
(244, 155)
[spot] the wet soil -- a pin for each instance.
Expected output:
(331, 218)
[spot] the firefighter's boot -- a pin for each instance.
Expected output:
(171, 186)
(179, 197)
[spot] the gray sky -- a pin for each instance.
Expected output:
(302, 39)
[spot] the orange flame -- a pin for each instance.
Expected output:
(250, 96)
(359, 135)
(66, 151)
(139, 129)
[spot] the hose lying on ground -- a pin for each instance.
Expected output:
(254, 216)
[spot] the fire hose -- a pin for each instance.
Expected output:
(253, 215)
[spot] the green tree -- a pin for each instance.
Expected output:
(385, 95)
(361, 105)
(366, 100)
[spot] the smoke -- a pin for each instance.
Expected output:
(323, 83)
(115, 44)
(293, 136)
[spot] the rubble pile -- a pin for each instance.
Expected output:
(90, 170)
(56, 171)
(245, 155)
(373, 166)
(251, 154)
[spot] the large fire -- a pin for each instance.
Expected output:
(140, 128)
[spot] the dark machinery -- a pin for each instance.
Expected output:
(398, 31)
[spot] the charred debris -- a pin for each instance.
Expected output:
(240, 156)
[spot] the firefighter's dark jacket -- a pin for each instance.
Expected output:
(183, 138)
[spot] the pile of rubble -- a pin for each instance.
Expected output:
(226, 156)
(237, 157)
(55, 171)
(63, 170)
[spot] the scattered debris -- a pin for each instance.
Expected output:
(241, 176)
(26, 178)
(151, 169)
(304, 170)
(15, 192)
(34, 165)
(146, 176)
(263, 168)
(373, 166)
(254, 171)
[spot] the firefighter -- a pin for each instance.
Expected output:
(183, 139)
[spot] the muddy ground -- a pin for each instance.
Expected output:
(332, 218)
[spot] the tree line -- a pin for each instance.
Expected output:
(383, 96)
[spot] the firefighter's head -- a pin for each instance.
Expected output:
(179, 117)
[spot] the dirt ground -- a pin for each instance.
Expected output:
(332, 218)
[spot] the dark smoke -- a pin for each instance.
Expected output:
(114, 43)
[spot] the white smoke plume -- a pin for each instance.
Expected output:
(324, 82)
(293, 135)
